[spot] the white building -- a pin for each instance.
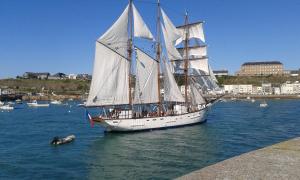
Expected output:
(276, 91)
(72, 76)
(290, 88)
(238, 88)
(267, 88)
(257, 90)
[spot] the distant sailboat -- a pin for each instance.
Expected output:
(145, 108)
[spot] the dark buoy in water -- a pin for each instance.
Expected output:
(58, 141)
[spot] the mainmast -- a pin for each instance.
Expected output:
(186, 60)
(129, 49)
(158, 52)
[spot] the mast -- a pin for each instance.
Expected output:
(129, 49)
(158, 49)
(186, 60)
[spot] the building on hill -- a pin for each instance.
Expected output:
(72, 76)
(32, 75)
(263, 68)
(84, 77)
(295, 73)
(57, 76)
(220, 73)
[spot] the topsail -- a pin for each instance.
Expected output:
(140, 28)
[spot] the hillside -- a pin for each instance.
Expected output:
(47, 86)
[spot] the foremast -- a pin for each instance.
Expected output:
(129, 51)
(158, 56)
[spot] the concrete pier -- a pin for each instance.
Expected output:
(279, 161)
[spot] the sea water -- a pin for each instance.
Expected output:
(232, 128)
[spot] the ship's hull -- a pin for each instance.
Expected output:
(141, 124)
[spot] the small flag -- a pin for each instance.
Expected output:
(90, 118)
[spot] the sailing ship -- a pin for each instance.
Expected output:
(133, 103)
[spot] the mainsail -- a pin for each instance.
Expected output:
(146, 79)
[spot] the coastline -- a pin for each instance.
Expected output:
(254, 96)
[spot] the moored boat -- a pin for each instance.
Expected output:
(6, 107)
(57, 102)
(34, 103)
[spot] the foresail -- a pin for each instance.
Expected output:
(195, 30)
(140, 28)
(110, 78)
(172, 92)
(146, 88)
(116, 37)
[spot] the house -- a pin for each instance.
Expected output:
(290, 88)
(220, 73)
(84, 77)
(238, 88)
(72, 76)
(32, 75)
(294, 73)
(58, 76)
(267, 88)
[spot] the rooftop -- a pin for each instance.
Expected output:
(220, 71)
(261, 62)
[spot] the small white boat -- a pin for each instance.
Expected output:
(19, 101)
(253, 100)
(263, 104)
(35, 104)
(6, 107)
(56, 102)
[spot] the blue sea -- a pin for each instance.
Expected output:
(232, 128)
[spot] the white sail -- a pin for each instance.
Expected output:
(173, 33)
(146, 88)
(194, 52)
(195, 30)
(171, 50)
(196, 96)
(172, 92)
(140, 28)
(110, 78)
(201, 64)
(116, 37)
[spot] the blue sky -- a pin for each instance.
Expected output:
(59, 35)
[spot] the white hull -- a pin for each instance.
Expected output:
(153, 122)
(37, 105)
(6, 107)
